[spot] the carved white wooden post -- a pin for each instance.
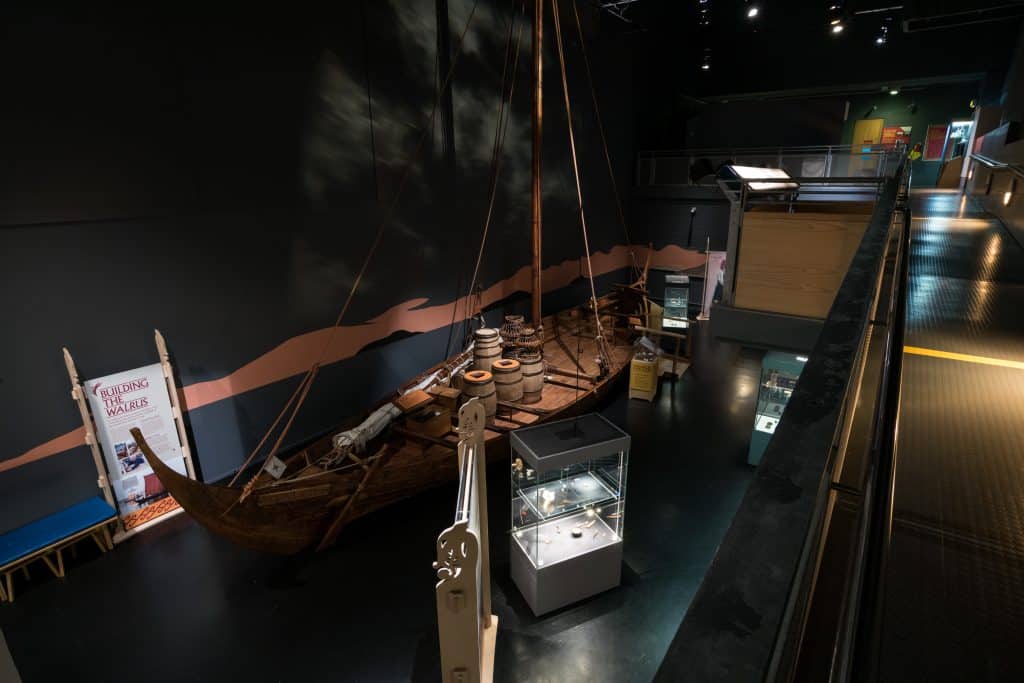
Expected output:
(172, 390)
(465, 625)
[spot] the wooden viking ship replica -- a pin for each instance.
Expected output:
(549, 368)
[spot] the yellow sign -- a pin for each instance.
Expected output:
(643, 379)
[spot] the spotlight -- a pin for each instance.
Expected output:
(753, 10)
(705, 64)
(894, 91)
(835, 16)
(1007, 196)
(704, 12)
(883, 32)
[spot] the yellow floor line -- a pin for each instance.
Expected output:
(967, 358)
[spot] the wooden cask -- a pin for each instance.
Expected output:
(480, 384)
(486, 348)
(531, 365)
(508, 380)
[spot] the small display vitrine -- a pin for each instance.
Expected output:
(779, 373)
(677, 302)
(568, 509)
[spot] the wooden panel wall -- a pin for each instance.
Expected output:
(794, 263)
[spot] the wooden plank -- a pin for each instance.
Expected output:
(291, 495)
(794, 263)
(424, 437)
(413, 400)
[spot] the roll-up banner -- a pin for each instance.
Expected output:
(119, 402)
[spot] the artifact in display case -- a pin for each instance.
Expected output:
(677, 301)
(779, 373)
(568, 505)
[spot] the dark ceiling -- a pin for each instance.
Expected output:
(789, 45)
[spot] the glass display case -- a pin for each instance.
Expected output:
(779, 373)
(568, 507)
(677, 302)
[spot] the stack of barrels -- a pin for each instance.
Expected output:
(508, 365)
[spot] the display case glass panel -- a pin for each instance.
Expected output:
(779, 374)
(568, 505)
(677, 301)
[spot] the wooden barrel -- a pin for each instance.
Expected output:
(480, 384)
(508, 380)
(532, 366)
(486, 348)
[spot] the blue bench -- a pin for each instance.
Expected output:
(49, 536)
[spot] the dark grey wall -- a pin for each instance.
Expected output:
(216, 178)
(760, 123)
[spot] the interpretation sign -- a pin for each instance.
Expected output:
(119, 402)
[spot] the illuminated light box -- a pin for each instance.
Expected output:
(758, 173)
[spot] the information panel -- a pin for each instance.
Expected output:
(119, 402)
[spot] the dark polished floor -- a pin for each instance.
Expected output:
(178, 604)
(954, 585)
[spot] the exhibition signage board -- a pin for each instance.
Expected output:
(119, 402)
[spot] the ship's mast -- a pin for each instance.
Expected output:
(538, 114)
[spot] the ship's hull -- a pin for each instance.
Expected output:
(310, 505)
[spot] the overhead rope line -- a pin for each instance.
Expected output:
(604, 143)
(601, 347)
(500, 132)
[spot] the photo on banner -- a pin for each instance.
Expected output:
(119, 402)
(716, 277)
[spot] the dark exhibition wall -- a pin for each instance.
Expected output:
(223, 182)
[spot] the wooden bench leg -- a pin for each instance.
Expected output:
(3, 593)
(60, 562)
(107, 538)
(24, 570)
(10, 587)
(51, 565)
(98, 538)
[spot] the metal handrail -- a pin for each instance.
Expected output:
(994, 163)
(796, 149)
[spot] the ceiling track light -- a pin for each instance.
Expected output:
(705, 64)
(836, 17)
(704, 13)
(883, 32)
(751, 9)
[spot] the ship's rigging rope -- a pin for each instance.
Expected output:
(508, 78)
(302, 391)
(599, 332)
(635, 267)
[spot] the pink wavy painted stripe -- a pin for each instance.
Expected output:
(296, 355)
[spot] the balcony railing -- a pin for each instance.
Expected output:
(700, 166)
